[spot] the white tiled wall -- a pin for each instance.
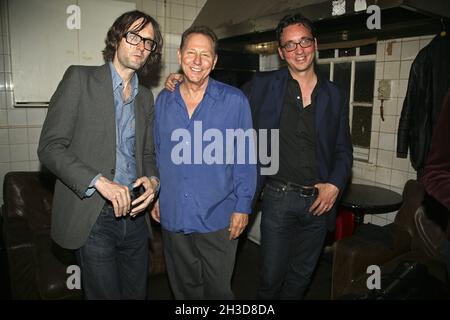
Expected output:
(394, 59)
(20, 128)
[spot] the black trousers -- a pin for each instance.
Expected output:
(200, 265)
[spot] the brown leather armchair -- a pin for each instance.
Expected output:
(411, 237)
(37, 265)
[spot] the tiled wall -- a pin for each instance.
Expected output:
(394, 59)
(20, 128)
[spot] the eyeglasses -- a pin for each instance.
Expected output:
(304, 43)
(135, 39)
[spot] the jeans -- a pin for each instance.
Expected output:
(114, 259)
(291, 243)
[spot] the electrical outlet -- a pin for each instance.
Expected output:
(384, 89)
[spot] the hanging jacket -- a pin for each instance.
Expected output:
(429, 80)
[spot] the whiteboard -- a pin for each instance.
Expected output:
(42, 47)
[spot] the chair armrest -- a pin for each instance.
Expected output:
(352, 255)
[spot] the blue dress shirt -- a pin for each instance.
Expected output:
(196, 196)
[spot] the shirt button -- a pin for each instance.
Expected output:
(113, 171)
(185, 195)
(298, 97)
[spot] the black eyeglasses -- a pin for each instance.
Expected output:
(135, 39)
(304, 43)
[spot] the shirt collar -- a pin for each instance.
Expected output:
(117, 80)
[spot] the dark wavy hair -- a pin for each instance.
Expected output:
(294, 19)
(121, 26)
(206, 31)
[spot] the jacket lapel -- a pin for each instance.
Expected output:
(278, 93)
(105, 99)
(322, 102)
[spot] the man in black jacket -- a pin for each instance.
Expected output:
(429, 80)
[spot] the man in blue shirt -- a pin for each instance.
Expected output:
(205, 155)
(97, 139)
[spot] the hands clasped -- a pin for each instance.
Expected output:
(120, 198)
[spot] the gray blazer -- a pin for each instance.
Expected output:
(78, 141)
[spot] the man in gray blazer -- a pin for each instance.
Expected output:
(97, 139)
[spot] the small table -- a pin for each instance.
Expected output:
(366, 199)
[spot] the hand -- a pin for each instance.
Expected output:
(325, 200)
(172, 80)
(117, 194)
(141, 203)
(237, 224)
(155, 212)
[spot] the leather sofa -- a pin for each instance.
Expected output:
(412, 237)
(37, 265)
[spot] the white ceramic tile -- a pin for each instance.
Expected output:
(391, 70)
(405, 68)
(3, 118)
(161, 11)
(402, 88)
(19, 152)
(381, 47)
(36, 116)
(2, 82)
(392, 51)
(18, 136)
(201, 3)
(17, 117)
(5, 167)
(4, 137)
(409, 49)
(34, 135)
(356, 172)
(383, 175)
(390, 107)
(373, 154)
(176, 11)
(9, 100)
(32, 150)
(3, 100)
(8, 81)
(175, 1)
(4, 153)
(175, 26)
(369, 172)
(374, 139)
(379, 70)
(172, 40)
(400, 163)
(423, 43)
(387, 141)
(190, 13)
(388, 125)
(8, 63)
(187, 24)
(367, 218)
(399, 178)
(400, 105)
(149, 6)
(412, 175)
(394, 88)
(20, 166)
(35, 166)
(384, 158)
